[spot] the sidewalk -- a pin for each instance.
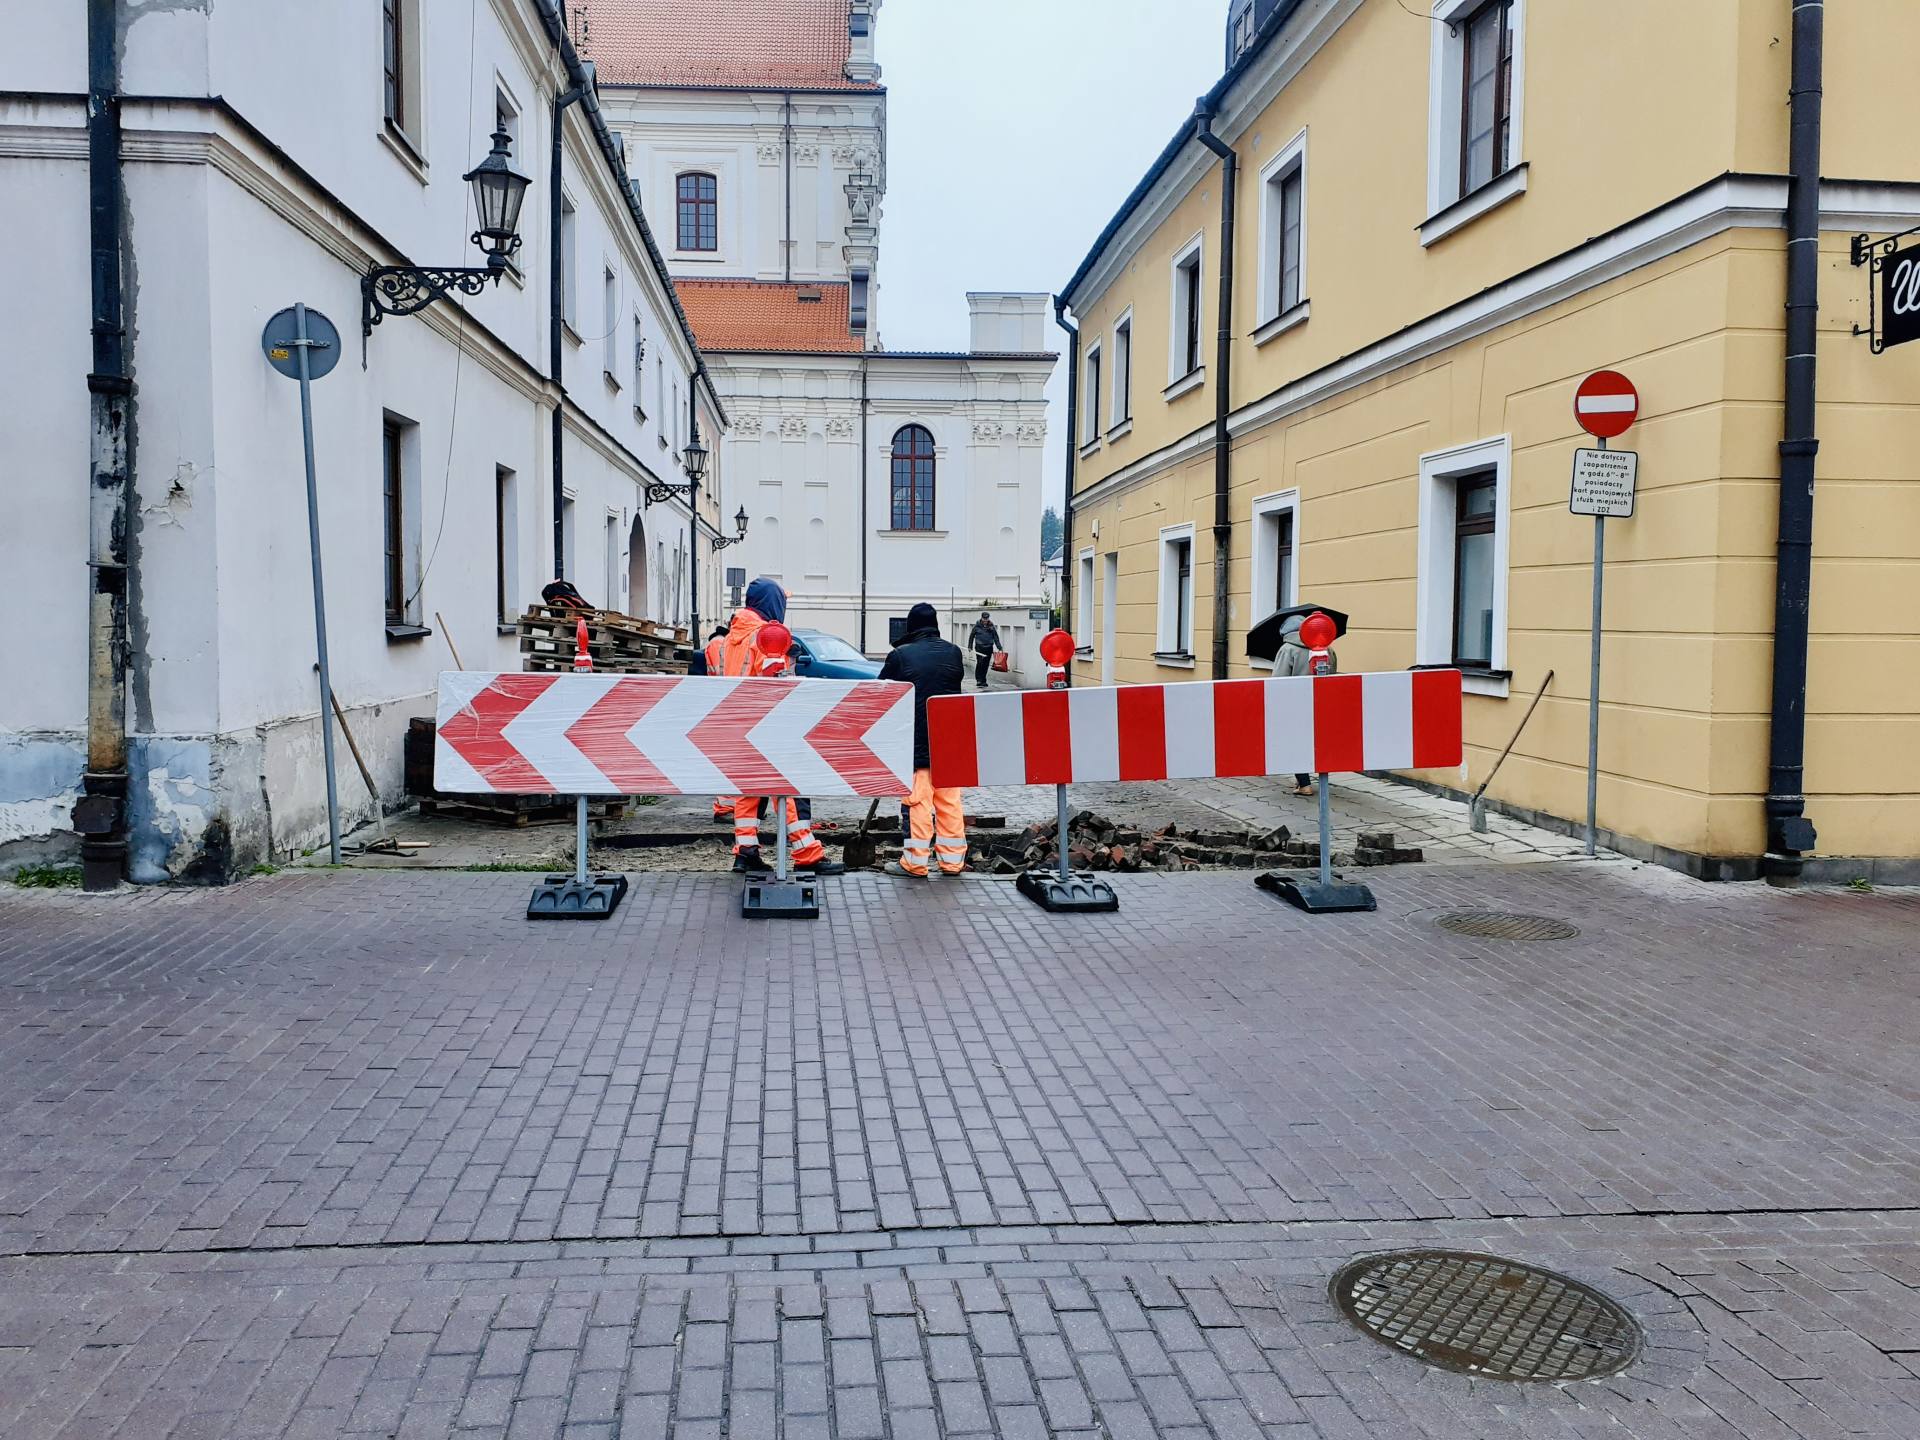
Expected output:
(327, 1154)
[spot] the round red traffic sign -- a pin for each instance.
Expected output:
(1606, 404)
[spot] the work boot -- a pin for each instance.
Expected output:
(822, 866)
(748, 862)
(900, 872)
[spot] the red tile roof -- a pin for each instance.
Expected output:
(741, 44)
(765, 315)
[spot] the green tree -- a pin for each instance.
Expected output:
(1052, 532)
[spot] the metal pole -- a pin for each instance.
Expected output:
(1326, 833)
(1060, 803)
(301, 344)
(780, 837)
(1593, 682)
(580, 839)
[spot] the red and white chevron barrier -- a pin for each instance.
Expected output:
(546, 734)
(1399, 720)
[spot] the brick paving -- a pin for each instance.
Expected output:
(341, 1154)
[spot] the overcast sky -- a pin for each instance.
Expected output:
(1015, 129)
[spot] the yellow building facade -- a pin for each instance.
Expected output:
(1441, 225)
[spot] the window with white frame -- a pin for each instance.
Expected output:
(610, 326)
(1283, 231)
(569, 281)
(639, 367)
(506, 545)
(1184, 359)
(1276, 549)
(400, 67)
(1123, 370)
(1476, 87)
(1083, 600)
(1462, 598)
(1090, 396)
(1174, 639)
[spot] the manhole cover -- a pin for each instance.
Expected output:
(1504, 925)
(1486, 1316)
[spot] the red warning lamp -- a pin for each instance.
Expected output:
(1318, 631)
(1056, 647)
(775, 640)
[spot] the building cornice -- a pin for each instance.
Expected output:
(1731, 202)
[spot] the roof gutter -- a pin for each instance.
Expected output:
(1211, 103)
(1073, 444)
(1222, 387)
(578, 75)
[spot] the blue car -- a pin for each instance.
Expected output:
(827, 657)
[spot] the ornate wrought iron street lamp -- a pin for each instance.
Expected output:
(498, 191)
(740, 527)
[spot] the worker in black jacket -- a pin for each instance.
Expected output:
(936, 828)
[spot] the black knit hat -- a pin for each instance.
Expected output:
(923, 617)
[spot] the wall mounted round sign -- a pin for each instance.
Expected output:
(279, 339)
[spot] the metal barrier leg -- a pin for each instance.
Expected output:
(1325, 895)
(780, 898)
(1068, 891)
(579, 896)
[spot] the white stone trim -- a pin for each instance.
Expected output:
(1491, 196)
(1290, 157)
(1443, 101)
(1194, 251)
(1433, 624)
(1282, 323)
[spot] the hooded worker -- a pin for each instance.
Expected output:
(936, 825)
(741, 654)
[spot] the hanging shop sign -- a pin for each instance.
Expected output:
(1893, 296)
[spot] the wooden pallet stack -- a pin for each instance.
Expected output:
(619, 644)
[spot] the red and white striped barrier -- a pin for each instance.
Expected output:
(541, 734)
(1399, 720)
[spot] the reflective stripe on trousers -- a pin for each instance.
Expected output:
(931, 810)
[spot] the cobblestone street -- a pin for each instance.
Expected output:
(368, 1154)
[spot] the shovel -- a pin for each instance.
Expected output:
(861, 849)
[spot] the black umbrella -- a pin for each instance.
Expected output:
(1264, 639)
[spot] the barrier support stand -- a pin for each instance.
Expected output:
(780, 898)
(1067, 892)
(578, 896)
(1324, 896)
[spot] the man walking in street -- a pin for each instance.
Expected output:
(937, 827)
(740, 654)
(986, 640)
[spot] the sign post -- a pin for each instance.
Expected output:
(1603, 485)
(303, 345)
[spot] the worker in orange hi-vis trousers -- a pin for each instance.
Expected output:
(740, 654)
(708, 661)
(936, 824)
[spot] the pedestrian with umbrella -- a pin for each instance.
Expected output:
(1277, 638)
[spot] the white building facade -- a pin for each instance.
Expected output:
(245, 193)
(873, 478)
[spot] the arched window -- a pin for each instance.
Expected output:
(912, 478)
(699, 211)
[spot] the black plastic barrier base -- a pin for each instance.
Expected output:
(1315, 898)
(1075, 894)
(780, 900)
(563, 897)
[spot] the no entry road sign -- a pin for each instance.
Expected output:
(1606, 404)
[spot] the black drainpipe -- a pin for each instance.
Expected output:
(1073, 444)
(1790, 833)
(863, 504)
(100, 815)
(1222, 389)
(556, 307)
